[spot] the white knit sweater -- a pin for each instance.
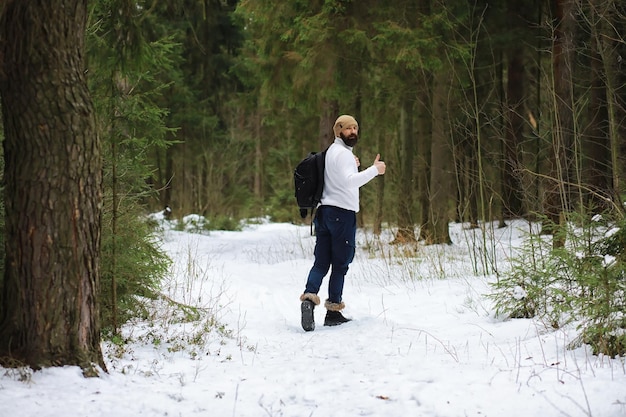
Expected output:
(342, 178)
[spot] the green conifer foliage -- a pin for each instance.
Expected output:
(579, 284)
(128, 73)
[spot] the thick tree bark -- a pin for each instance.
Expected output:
(49, 312)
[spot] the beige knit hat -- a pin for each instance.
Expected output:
(343, 122)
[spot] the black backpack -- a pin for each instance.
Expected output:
(308, 178)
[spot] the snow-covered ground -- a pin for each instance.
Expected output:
(424, 341)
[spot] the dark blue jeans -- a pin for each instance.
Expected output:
(335, 231)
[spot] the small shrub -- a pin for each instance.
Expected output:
(583, 282)
(606, 340)
(135, 264)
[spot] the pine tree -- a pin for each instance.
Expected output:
(53, 192)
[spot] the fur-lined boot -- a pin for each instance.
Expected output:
(333, 314)
(309, 301)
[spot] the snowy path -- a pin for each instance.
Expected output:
(422, 348)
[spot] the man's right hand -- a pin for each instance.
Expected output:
(380, 165)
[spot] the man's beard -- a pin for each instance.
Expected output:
(350, 140)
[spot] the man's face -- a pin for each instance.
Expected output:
(350, 135)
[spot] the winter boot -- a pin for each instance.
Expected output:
(333, 314)
(309, 301)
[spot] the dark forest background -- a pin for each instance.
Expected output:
(482, 110)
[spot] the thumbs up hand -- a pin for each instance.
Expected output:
(380, 165)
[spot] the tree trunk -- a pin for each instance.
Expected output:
(514, 118)
(406, 225)
(596, 142)
(380, 194)
(442, 188)
(258, 154)
(611, 28)
(559, 187)
(466, 160)
(423, 155)
(53, 176)
(327, 121)
(169, 175)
